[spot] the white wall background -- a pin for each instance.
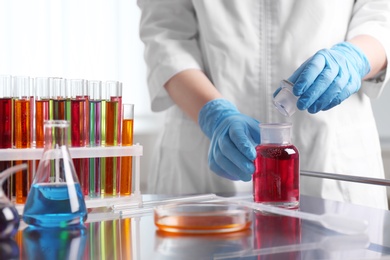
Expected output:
(98, 39)
(90, 39)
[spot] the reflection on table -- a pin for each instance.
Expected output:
(269, 237)
(110, 239)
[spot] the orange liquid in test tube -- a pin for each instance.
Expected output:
(127, 140)
(111, 140)
(42, 114)
(22, 140)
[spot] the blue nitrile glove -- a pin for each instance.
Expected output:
(233, 139)
(329, 77)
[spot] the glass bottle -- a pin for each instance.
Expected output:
(9, 216)
(276, 177)
(55, 198)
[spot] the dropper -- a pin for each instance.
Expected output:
(334, 222)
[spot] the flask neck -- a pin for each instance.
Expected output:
(275, 133)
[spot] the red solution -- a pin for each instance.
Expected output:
(6, 123)
(276, 177)
(271, 230)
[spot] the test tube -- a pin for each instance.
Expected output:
(22, 129)
(31, 94)
(116, 95)
(103, 126)
(68, 114)
(95, 105)
(6, 125)
(42, 97)
(78, 130)
(113, 98)
(42, 111)
(57, 93)
(127, 140)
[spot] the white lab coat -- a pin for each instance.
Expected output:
(246, 47)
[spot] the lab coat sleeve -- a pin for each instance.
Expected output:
(372, 17)
(168, 29)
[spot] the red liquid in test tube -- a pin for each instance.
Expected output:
(79, 131)
(6, 126)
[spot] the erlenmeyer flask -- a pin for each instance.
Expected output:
(55, 198)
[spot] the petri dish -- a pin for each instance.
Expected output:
(202, 217)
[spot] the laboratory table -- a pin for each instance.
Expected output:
(108, 235)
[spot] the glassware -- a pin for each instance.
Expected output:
(276, 177)
(9, 216)
(95, 137)
(6, 124)
(202, 217)
(57, 99)
(285, 100)
(55, 198)
(79, 120)
(42, 109)
(23, 104)
(113, 126)
(127, 140)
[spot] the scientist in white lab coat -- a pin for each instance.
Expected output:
(215, 64)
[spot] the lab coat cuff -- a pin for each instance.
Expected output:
(159, 76)
(374, 86)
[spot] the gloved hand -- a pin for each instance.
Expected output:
(233, 139)
(329, 77)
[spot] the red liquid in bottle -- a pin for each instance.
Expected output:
(276, 178)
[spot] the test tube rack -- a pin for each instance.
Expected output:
(135, 151)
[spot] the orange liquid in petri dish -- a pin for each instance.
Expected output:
(195, 224)
(202, 218)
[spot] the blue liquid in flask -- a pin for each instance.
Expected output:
(55, 205)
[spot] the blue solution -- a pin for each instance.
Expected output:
(55, 205)
(55, 243)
